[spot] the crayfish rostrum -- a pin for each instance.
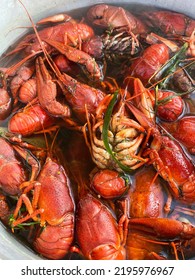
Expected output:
(97, 137)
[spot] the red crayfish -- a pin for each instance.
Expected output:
(149, 62)
(149, 227)
(170, 160)
(107, 16)
(92, 214)
(52, 206)
(171, 23)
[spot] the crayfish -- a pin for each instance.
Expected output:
(55, 234)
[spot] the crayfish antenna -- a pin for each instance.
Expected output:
(142, 119)
(46, 54)
(87, 126)
(148, 124)
(53, 141)
(11, 70)
(153, 38)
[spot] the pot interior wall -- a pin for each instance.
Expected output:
(14, 17)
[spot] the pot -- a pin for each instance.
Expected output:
(13, 17)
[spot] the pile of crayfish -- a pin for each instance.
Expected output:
(97, 136)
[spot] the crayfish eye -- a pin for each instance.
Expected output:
(99, 17)
(1, 75)
(32, 41)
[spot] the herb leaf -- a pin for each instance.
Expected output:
(169, 67)
(106, 124)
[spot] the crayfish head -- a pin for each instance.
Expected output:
(96, 14)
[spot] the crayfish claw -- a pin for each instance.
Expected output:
(55, 19)
(47, 92)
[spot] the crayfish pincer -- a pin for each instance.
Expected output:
(5, 104)
(148, 238)
(11, 163)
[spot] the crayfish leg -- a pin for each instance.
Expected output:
(31, 161)
(32, 214)
(124, 222)
(47, 92)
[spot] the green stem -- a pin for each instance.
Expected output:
(170, 67)
(106, 124)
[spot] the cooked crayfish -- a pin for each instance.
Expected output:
(70, 32)
(123, 137)
(112, 17)
(150, 61)
(77, 95)
(53, 202)
(170, 160)
(29, 120)
(171, 23)
(176, 168)
(117, 179)
(153, 233)
(92, 216)
(107, 16)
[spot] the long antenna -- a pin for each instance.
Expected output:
(47, 57)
